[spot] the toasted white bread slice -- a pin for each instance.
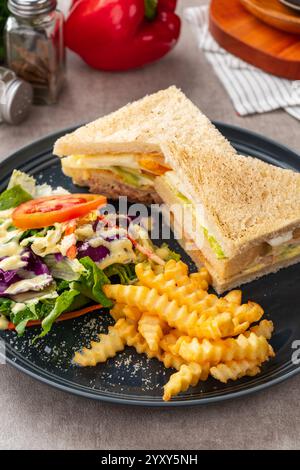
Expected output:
(141, 126)
(220, 283)
(250, 208)
(245, 200)
(131, 138)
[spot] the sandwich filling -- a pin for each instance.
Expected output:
(135, 170)
(256, 258)
(194, 218)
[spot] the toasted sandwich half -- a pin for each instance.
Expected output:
(121, 154)
(248, 212)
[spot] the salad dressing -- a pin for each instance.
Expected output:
(3, 322)
(10, 249)
(18, 307)
(47, 244)
(33, 284)
(120, 252)
(12, 262)
(46, 280)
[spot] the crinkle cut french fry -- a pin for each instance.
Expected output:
(131, 336)
(168, 358)
(146, 299)
(171, 360)
(108, 347)
(124, 311)
(132, 313)
(234, 297)
(250, 312)
(169, 340)
(178, 271)
(264, 328)
(187, 292)
(203, 304)
(151, 328)
(233, 370)
(188, 374)
(169, 315)
(202, 278)
(117, 311)
(150, 300)
(194, 350)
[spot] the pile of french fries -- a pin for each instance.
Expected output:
(170, 315)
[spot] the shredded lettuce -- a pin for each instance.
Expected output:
(32, 311)
(62, 304)
(124, 272)
(47, 309)
(183, 197)
(215, 246)
(13, 197)
(70, 296)
(30, 233)
(5, 306)
(27, 182)
(132, 177)
(66, 269)
(166, 253)
(91, 282)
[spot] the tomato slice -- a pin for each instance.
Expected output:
(47, 210)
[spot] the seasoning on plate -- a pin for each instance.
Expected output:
(15, 97)
(35, 46)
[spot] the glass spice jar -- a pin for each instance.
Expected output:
(35, 46)
(15, 97)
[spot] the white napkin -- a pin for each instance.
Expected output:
(250, 89)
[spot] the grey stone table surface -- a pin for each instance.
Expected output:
(35, 416)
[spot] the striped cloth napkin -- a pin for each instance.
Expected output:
(250, 89)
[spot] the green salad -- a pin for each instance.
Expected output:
(51, 267)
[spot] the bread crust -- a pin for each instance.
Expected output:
(221, 285)
(141, 126)
(246, 200)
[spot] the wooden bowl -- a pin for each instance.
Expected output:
(274, 13)
(295, 4)
(248, 38)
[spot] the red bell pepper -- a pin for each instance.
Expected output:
(122, 34)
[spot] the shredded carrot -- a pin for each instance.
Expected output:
(63, 317)
(140, 248)
(146, 251)
(70, 228)
(72, 252)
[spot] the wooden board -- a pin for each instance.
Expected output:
(239, 32)
(274, 13)
(295, 4)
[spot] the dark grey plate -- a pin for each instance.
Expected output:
(130, 378)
